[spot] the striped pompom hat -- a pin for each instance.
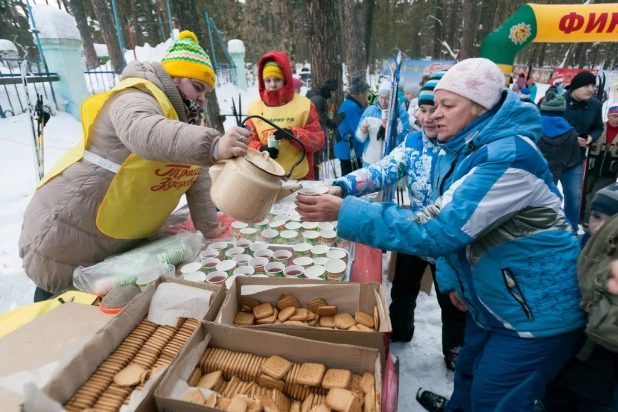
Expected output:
(185, 58)
(426, 94)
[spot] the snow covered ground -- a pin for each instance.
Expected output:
(421, 362)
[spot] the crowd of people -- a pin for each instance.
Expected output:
(528, 317)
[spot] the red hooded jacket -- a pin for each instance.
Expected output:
(311, 134)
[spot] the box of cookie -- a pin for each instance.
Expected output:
(235, 369)
(124, 361)
(348, 313)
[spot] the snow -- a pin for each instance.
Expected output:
(101, 50)
(53, 23)
(421, 363)
(147, 53)
(7, 45)
(236, 46)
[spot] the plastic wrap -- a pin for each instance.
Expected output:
(183, 247)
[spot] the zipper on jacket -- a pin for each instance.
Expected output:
(513, 287)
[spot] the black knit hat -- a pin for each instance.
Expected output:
(329, 85)
(606, 200)
(582, 79)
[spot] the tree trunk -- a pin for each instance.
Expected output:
(77, 8)
(370, 6)
(137, 32)
(438, 30)
(152, 26)
(354, 35)
(325, 47)
(106, 23)
(186, 15)
(469, 29)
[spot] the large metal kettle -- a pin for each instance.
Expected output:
(246, 187)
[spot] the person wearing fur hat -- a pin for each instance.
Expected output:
(144, 146)
(602, 164)
(584, 113)
(372, 127)
(290, 111)
(346, 147)
(505, 253)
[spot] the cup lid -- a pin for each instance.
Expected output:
(262, 161)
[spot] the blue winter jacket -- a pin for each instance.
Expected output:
(376, 112)
(496, 222)
(412, 159)
(352, 112)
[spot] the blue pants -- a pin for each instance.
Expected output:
(571, 180)
(500, 372)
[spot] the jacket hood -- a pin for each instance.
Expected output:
(509, 117)
(286, 94)
(554, 126)
(155, 73)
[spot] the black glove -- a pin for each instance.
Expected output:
(272, 151)
(279, 135)
(381, 133)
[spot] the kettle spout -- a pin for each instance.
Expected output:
(285, 191)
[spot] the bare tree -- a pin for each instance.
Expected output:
(324, 43)
(154, 37)
(77, 8)
(353, 28)
(469, 29)
(103, 12)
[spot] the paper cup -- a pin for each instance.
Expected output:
(319, 251)
(195, 277)
(327, 237)
(296, 226)
(302, 249)
(257, 246)
(244, 243)
(337, 254)
(216, 278)
(218, 246)
(277, 224)
(248, 233)
(282, 256)
(274, 270)
(226, 266)
(191, 267)
(288, 237)
(242, 259)
(236, 226)
(303, 261)
(342, 243)
(264, 253)
(258, 264)
(312, 237)
(270, 235)
(244, 270)
(315, 272)
(295, 272)
(306, 191)
(272, 215)
(146, 280)
(208, 253)
(309, 226)
(230, 281)
(261, 275)
(321, 261)
(335, 269)
(325, 226)
(235, 251)
(295, 217)
(210, 265)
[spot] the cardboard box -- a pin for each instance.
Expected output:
(73, 372)
(174, 385)
(347, 296)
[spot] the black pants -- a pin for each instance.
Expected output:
(584, 386)
(406, 286)
(346, 166)
(40, 295)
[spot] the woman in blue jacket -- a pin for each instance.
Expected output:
(506, 253)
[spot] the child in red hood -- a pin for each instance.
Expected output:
(295, 113)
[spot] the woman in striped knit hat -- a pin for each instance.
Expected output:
(144, 146)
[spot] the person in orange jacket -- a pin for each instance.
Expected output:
(292, 112)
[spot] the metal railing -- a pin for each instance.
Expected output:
(13, 95)
(101, 79)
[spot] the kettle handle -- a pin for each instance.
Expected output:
(287, 176)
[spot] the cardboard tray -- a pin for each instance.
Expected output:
(174, 385)
(73, 372)
(348, 296)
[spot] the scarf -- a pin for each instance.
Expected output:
(195, 114)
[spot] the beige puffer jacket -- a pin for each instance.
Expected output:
(59, 231)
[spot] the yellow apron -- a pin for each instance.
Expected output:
(144, 192)
(292, 114)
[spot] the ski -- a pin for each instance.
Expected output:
(391, 123)
(38, 165)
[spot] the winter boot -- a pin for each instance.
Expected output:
(451, 358)
(430, 401)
